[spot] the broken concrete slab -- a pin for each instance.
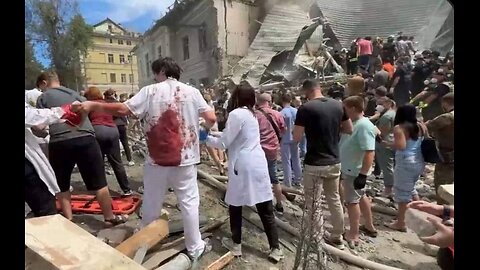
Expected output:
(46, 236)
(114, 236)
(417, 221)
(381, 201)
(446, 192)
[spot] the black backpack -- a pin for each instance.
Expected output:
(429, 147)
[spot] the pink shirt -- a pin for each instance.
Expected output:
(364, 47)
(268, 138)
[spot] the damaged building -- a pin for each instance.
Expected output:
(271, 41)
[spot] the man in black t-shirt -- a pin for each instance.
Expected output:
(421, 71)
(322, 120)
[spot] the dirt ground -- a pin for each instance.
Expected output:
(402, 250)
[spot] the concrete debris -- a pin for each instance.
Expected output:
(113, 236)
(417, 221)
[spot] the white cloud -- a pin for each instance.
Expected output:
(128, 10)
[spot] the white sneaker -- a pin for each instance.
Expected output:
(276, 255)
(236, 249)
(196, 255)
(131, 163)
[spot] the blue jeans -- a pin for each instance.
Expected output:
(385, 158)
(272, 171)
(303, 146)
(407, 171)
(291, 160)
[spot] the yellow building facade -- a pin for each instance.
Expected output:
(109, 62)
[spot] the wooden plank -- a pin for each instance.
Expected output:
(164, 255)
(446, 192)
(140, 254)
(149, 236)
(221, 262)
(67, 246)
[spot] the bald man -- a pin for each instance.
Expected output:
(271, 126)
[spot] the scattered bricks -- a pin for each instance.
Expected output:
(113, 236)
(417, 221)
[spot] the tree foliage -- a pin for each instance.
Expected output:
(32, 66)
(65, 34)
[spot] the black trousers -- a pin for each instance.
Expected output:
(37, 196)
(265, 211)
(107, 138)
(445, 259)
(376, 170)
(122, 131)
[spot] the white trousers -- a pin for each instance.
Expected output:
(183, 180)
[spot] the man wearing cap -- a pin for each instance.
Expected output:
(432, 95)
(421, 71)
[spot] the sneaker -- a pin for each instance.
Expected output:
(131, 163)
(338, 243)
(128, 193)
(279, 208)
(196, 255)
(140, 190)
(276, 255)
(171, 190)
(236, 249)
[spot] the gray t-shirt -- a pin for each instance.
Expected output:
(381, 78)
(386, 121)
(57, 97)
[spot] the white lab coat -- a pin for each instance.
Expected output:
(33, 152)
(251, 182)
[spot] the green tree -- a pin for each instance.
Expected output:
(32, 66)
(65, 34)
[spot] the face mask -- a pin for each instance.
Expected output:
(426, 82)
(433, 80)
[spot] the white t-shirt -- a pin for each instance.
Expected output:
(170, 111)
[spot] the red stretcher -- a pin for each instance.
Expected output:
(89, 205)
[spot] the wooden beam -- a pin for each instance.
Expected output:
(67, 246)
(149, 236)
(221, 262)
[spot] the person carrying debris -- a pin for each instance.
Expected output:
(170, 111)
(248, 174)
(40, 182)
(322, 120)
(69, 146)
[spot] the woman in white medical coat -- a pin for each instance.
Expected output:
(249, 182)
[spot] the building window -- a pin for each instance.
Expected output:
(113, 78)
(110, 58)
(159, 51)
(111, 41)
(130, 78)
(147, 68)
(123, 78)
(129, 42)
(186, 51)
(129, 57)
(110, 28)
(120, 42)
(122, 59)
(202, 39)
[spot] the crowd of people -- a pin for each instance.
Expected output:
(374, 125)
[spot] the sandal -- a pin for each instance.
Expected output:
(116, 220)
(391, 226)
(369, 233)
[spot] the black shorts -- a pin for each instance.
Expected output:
(83, 151)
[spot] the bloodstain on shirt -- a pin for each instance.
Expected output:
(165, 141)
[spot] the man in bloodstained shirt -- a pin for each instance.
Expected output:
(170, 111)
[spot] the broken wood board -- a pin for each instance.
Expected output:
(221, 262)
(149, 236)
(163, 255)
(446, 192)
(67, 246)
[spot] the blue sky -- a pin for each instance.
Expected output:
(135, 15)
